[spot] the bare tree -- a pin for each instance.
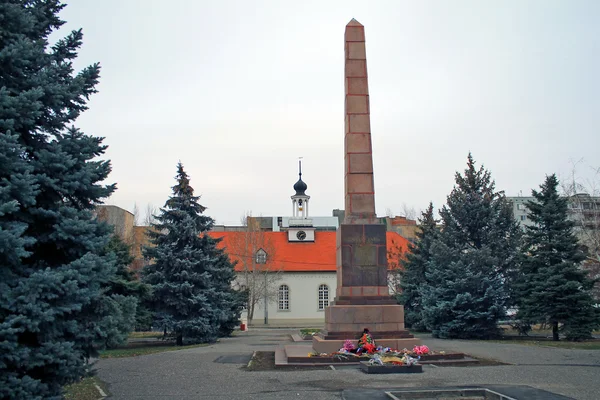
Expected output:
(151, 211)
(258, 270)
(584, 210)
(244, 218)
(408, 212)
(136, 215)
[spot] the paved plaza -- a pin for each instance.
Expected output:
(194, 374)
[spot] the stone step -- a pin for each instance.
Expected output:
(380, 335)
(390, 369)
(329, 346)
(298, 355)
(281, 358)
(361, 300)
(297, 338)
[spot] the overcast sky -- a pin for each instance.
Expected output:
(238, 90)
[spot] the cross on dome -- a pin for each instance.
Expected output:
(300, 186)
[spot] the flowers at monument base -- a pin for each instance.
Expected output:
(392, 359)
(367, 350)
(365, 338)
(379, 355)
(378, 359)
(348, 345)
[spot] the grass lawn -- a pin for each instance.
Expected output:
(85, 390)
(535, 331)
(144, 335)
(143, 350)
(592, 345)
(309, 331)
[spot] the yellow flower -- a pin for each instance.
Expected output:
(389, 359)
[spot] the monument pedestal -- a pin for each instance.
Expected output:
(363, 299)
(321, 345)
(362, 294)
(384, 321)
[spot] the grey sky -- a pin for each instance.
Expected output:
(238, 90)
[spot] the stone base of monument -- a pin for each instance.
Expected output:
(321, 345)
(369, 368)
(384, 319)
(301, 356)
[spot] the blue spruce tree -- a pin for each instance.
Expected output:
(125, 297)
(190, 277)
(552, 287)
(52, 273)
(414, 267)
(471, 259)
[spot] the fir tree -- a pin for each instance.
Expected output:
(52, 275)
(552, 287)
(126, 283)
(190, 277)
(467, 272)
(412, 275)
(126, 297)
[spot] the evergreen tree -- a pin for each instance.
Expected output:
(471, 259)
(52, 273)
(552, 287)
(412, 275)
(125, 298)
(190, 277)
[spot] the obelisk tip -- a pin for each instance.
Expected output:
(354, 22)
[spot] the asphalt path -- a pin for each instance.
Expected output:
(194, 374)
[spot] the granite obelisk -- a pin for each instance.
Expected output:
(362, 296)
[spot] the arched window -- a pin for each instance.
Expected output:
(283, 297)
(323, 296)
(261, 256)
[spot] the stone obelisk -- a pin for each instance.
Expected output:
(362, 297)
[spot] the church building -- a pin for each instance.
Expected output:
(289, 263)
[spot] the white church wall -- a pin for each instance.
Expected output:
(303, 299)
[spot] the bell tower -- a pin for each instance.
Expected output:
(301, 228)
(300, 199)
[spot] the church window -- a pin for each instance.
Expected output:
(283, 297)
(323, 296)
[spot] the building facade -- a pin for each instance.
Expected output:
(288, 263)
(121, 220)
(295, 278)
(584, 210)
(520, 210)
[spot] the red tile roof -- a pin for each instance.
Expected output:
(295, 256)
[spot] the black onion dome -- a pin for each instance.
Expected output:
(300, 187)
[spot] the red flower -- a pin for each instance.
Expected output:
(370, 348)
